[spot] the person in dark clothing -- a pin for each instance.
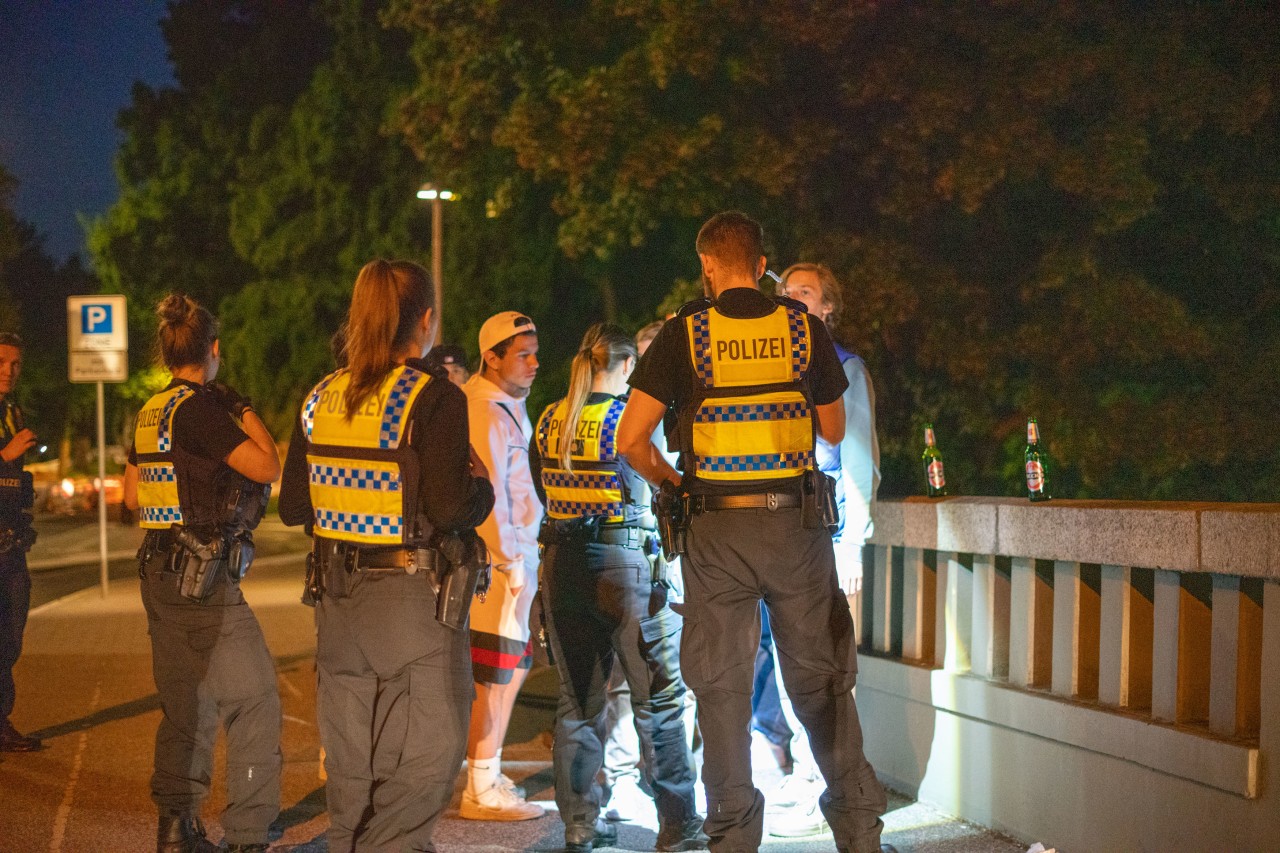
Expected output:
(380, 472)
(753, 379)
(16, 537)
(604, 603)
(196, 475)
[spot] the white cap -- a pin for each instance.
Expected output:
(503, 325)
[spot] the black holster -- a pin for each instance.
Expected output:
(818, 502)
(673, 520)
(465, 573)
(197, 559)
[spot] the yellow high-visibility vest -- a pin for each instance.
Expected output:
(159, 504)
(363, 475)
(596, 487)
(751, 418)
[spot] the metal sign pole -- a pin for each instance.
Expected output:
(102, 489)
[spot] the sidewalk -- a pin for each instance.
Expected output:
(84, 685)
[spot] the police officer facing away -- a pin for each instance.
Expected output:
(752, 378)
(16, 537)
(196, 476)
(380, 471)
(605, 605)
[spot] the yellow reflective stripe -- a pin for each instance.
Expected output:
(153, 432)
(158, 505)
(380, 422)
(583, 494)
(595, 439)
(158, 502)
(756, 437)
(357, 500)
(731, 352)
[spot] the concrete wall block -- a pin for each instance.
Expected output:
(890, 527)
(967, 525)
(1241, 540)
(1112, 532)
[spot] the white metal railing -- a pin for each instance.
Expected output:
(1141, 633)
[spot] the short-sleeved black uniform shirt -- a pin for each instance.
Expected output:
(202, 428)
(665, 371)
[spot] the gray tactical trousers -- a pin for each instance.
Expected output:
(394, 704)
(211, 664)
(735, 559)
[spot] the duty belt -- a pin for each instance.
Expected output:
(630, 537)
(761, 500)
(407, 560)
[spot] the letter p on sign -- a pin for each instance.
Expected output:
(95, 319)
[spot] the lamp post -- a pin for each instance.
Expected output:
(437, 197)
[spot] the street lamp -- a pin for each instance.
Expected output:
(430, 192)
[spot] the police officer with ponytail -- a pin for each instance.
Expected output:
(197, 477)
(753, 380)
(605, 607)
(381, 473)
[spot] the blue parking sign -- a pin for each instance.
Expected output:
(96, 319)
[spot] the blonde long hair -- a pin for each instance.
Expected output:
(604, 347)
(387, 303)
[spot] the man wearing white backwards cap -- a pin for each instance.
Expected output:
(500, 651)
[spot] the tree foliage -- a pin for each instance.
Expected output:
(1062, 209)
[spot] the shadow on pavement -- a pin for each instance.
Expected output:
(123, 711)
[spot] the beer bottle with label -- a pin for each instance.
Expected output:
(935, 477)
(1037, 483)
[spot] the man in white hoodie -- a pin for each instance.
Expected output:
(500, 434)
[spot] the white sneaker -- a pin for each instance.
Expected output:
(800, 820)
(507, 782)
(628, 801)
(498, 803)
(792, 791)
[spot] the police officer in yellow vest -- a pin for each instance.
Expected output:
(197, 476)
(605, 608)
(752, 378)
(381, 473)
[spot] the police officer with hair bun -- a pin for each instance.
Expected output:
(381, 473)
(754, 379)
(605, 606)
(197, 476)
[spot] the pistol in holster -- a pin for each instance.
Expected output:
(673, 521)
(818, 507)
(464, 572)
(197, 556)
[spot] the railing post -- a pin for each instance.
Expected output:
(1030, 622)
(881, 599)
(1077, 589)
(1236, 662)
(917, 592)
(990, 648)
(1124, 652)
(959, 615)
(941, 579)
(1180, 655)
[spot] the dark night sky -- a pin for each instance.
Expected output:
(67, 67)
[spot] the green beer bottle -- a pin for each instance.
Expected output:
(1037, 484)
(935, 477)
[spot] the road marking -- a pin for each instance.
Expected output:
(64, 808)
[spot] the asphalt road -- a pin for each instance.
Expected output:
(84, 686)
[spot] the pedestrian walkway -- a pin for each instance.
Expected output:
(84, 685)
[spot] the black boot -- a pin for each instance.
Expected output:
(182, 832)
